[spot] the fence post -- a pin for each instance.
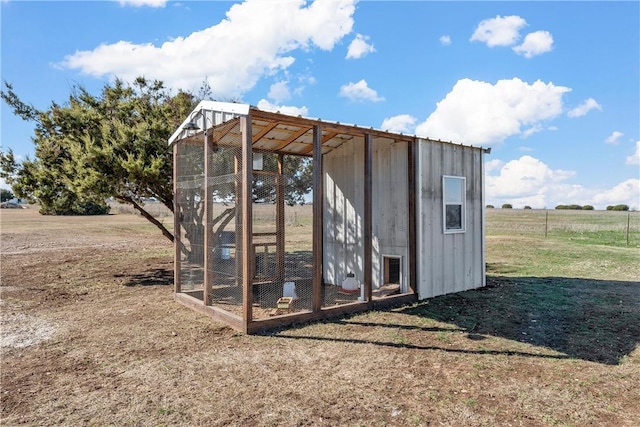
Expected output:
(546, 223)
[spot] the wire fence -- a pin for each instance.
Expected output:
(611, 228)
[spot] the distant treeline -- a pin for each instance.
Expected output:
(570, 207)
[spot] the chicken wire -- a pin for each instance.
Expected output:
(189, 174)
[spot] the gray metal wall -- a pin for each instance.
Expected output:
(344, 210)
(449, 262)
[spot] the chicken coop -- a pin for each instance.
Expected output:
(282, 219)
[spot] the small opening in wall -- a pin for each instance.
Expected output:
(392, 273)
(391, 277)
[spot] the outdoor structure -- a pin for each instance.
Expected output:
(390, 218)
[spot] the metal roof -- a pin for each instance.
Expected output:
(271, 132)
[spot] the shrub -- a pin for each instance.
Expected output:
(587, 208)
(618, 208)
(490, 206)
(527, 207)
(507, 206)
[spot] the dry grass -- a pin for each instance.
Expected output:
(122, 352)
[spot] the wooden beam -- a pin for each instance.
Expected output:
(318, 197)
(292, 138)
(264, 131)
(353, 130)
(177, 285)
(325, 138)
(248, 259)
(412, 188)
(208, 238)
(368, 217)
(280, 230)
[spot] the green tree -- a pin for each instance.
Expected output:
(507, 206)
(5, 195)
(115, 145)
(96, 147)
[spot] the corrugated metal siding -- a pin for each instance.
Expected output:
(449, 262)
(343, 249)
(390, 206)
(344, 209)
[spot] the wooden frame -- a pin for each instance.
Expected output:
(321, 133)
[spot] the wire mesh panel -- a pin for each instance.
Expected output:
(224, 221)
(281, 248)
(189, 195)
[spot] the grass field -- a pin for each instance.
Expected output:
(92, 336)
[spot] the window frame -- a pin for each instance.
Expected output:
(462, 204)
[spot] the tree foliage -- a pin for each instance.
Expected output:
(114, 145)
(5, 195)
(618, 208)
(97, 147)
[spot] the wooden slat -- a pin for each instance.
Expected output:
(325, 138)
(247, 227)
(264, 131)
(353, 130)
(318, 197)
(413, 247)
(292, 138)
(368, 217)
(280, 220)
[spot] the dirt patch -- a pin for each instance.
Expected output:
(91, 336)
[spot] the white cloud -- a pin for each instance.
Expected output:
(360, 91)
(499, 31)
(533, 129)
(614, 137)
(279, 91)
(445, 40)
(625, 193)
(477, 112)
(141, 3)
(265, 105)
(494, 164)
(403, 123)
(634, 159)
(534, 44)
(244, 42)
(359, 47)
(584, 108)
(527, 181)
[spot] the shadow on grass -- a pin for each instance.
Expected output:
(154, 277)
(592, 320)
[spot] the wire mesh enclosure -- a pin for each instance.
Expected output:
(274, 218)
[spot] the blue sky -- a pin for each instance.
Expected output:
(553, 88)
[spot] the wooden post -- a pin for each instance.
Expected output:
(248, 257)
(628, 226)
(206, 294)
(411, 193)
(280, 230)
(318, 197)
(546, 223)
(177, 285)
(237, 168)
(368, 218)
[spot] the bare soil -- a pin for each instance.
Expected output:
(92, 336)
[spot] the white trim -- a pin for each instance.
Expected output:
(209, 108)
(403, 287)
(463, 224)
